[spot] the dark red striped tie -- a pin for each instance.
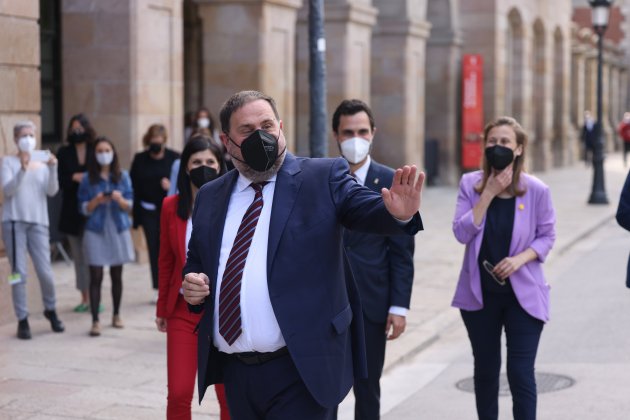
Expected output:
(230, 293)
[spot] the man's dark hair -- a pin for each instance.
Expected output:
(240, 99)
(351, 107)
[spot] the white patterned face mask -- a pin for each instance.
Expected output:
(355, 149)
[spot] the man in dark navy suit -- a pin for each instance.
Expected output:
(382, 264)
(282, 325)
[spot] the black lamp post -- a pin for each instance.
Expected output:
(600, 14)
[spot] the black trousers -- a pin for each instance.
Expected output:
(151, 227)
(270, 391)
(522, 332)
(367, 392)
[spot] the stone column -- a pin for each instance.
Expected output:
(578, 78)
(250, 45)
(193, 59)
(20, 99)
(398, 81)
(348, 26)
(123, 68)
(590, 82)
(623, 90)
(609, 132)
(443, 63)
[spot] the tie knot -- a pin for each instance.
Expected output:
(258, 186)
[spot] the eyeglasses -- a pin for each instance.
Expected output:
(490, 269)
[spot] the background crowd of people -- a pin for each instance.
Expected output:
(503, 216)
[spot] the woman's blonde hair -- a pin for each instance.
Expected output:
(519, 161)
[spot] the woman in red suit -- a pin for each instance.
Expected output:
(201, 161)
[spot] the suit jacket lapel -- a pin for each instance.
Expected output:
(287, 186)
(372, 180)
(220, 203)
(180, 236)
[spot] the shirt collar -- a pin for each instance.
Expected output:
(361, 173)
(242, 183)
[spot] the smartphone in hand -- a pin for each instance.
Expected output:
(40, 155)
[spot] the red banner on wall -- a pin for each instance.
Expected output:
(472, 110)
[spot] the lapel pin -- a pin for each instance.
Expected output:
(375, 181)
(521, 206)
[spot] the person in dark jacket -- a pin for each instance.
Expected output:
(623, 216)
(150, 171)
(381, 264)
(71, 170)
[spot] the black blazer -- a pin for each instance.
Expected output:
(623, 216)
(382, 264)
(71, 221)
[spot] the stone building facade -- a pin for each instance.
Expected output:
(131, 63)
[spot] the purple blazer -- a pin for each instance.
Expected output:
(534, 227)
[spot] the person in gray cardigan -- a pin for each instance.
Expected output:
(27, 179)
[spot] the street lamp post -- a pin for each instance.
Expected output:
(600, 14)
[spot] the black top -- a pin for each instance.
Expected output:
(146, 174)
(497, 236)
(71, 221)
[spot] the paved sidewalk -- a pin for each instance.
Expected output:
(122, 373)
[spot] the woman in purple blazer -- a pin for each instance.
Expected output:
(506, 220)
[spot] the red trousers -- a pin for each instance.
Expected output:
(181, 355)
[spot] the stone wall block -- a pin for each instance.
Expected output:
(20, 8)
(13, 47)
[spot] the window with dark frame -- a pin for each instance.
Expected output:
(50, 51)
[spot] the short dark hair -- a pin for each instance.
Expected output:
(197, 143)
(94, 168)
(237, 101)
(351, 107)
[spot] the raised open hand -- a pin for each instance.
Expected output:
(402, 199)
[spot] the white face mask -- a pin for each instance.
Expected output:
(105, 158)
(26, 144)
(355, 149)
(203, 122)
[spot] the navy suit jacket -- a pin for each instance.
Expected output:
(311, 288)
(382, 264)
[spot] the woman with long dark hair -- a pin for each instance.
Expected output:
(507, 222)
(72, 167)
(106, 198)
(201, 162)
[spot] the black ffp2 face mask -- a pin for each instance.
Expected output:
(202, 174)
(259, 150)
(155, 148)
(499, 157)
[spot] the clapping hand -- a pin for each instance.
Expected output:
(402, 199)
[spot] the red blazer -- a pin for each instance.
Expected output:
(172, 257)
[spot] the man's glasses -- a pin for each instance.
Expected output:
(490, 269)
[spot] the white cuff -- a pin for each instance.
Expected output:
(398, 310)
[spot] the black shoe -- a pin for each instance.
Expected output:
(23, 331)
(55, 323)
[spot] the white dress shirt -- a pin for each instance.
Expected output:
(361, 174)
(259, 327)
